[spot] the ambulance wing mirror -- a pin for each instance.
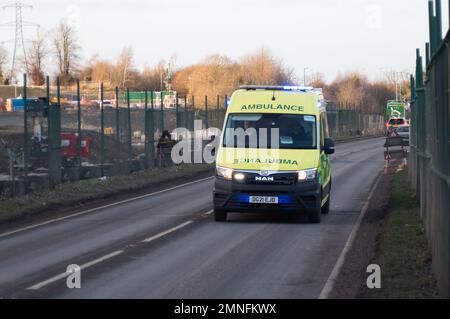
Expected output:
(329, 146)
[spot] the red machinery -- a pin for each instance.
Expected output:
(69, 146)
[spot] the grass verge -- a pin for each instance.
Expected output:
(402, 249)
(77, 193)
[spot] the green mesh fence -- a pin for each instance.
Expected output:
(350, 123)
(123, 139)
(429, 160)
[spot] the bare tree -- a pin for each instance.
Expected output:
(124, 68)
(263, 68)
(400, 81)
(350, 90)
(36, 55)
(100, 70)
(67, 48)
(317, 80)
(216, 75)
(219, 75)
(152, 78)
(354, 91)
(3, 61)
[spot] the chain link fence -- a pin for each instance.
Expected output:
(351, 123)
(88, 135)
(72, 135)
(429, 162)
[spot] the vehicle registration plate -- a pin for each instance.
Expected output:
(263, 200)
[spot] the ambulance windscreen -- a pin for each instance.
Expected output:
(271, 131)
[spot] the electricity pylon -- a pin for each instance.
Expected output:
(19, 40)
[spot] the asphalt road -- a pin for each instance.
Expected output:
(166, 245)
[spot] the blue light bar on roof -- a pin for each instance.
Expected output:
(297, 88)
(280, 88)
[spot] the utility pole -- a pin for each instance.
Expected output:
(396, 86)
(304, 76)
(19, 40)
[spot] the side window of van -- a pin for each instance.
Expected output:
(322, 137)
(327, 132)
(324, 131)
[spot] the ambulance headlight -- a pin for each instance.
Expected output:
(226, 173)
(307, 175)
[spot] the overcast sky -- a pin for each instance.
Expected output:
(328, 36)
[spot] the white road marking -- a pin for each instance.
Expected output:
(64, 275)
(153, 238)
(103, 207)
(99, 208)
(106, 257)
(208, 213)
(329, 285)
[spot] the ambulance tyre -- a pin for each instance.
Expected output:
(326, 207)
(315, 216)
(220, 215)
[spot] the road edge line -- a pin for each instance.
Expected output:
(13, 232)
(331, 281)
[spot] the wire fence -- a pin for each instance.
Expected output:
(429, 171)
(61, 136)
(351, 123)
(68, 135)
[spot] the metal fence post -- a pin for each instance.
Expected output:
(47, 92)
(419, 69)
(413, 143)
(177, 110)
(427, 58)
(438, 22)
(25, 132)
(129, 131)
(117, 118)
(185, 112)
(432, 27)
(54, 134)
(420, 126)
(102, 133)
(146, 128)
(218, 111)
(151, 123)
(206, 112)
(162, 113)
(79, 159)
(193, 112)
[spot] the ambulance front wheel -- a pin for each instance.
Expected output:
(315, 215)
(220, 215)
(326, 207)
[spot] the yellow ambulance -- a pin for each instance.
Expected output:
(274, 153)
